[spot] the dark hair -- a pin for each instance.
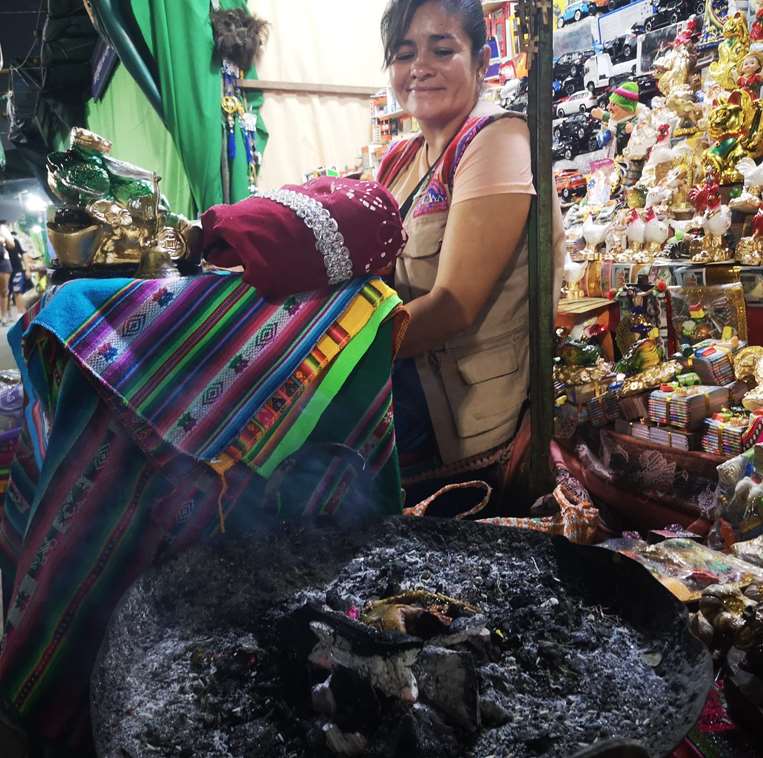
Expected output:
(399, 14)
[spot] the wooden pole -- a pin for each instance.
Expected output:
(304, 88)
(541, 269)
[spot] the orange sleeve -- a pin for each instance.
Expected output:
(496, 162)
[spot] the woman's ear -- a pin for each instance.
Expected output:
(484, 62)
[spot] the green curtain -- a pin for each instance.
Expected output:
(125, 116)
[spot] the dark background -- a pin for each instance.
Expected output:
(18, 25)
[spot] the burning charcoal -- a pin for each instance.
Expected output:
(448, 682)
(358, 707)
(339, 602)
(550, 678)
(466, 630)
(418, 731)
(391, 673)
(393, 574)
(340, 743)
(323, 699)
(493, 713)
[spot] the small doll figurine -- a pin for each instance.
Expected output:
(619, 118)
(750, 77)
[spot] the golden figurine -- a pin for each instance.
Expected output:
(114, 213)
(731, 52)
(749, 251)
(735, 126)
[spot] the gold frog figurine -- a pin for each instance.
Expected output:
(113, 212)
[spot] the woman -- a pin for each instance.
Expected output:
(20, 281)
(6, 243)
(465, 187)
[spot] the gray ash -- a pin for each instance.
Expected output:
(215, 653)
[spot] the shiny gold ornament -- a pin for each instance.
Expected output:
(157, 261)
(734, 125)
(121, 217)
(746, 362)
(749, 251)
(650, 379)
(75, 249)
(731, 52)
(575, 376)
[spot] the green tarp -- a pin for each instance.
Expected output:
(126, 117)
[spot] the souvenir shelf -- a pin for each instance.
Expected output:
(388, 122)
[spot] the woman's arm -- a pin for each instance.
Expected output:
(481, 238)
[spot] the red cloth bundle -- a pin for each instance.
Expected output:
(306, 237)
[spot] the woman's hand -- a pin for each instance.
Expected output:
(481, 240)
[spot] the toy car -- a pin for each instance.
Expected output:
(570, 64)
(574, 12)
(518, 104)
(562, 150)
(668, 12)
(570, 183)
(513, 91)
(568, 147)
(621, 48)
(571, 85)
(581, 127)
(580, 102)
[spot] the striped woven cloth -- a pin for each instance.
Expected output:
(141, 397)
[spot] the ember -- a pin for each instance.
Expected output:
(413, 638)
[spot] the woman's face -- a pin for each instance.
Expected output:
(434, 73)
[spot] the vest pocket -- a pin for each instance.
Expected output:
(484, 388)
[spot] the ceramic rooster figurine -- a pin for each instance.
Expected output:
(594, 234)
(656, 232)
(749, 251)
(716, 221)
(635, 231)
(749, 200)
(661, 152)
(706, 194)
(573, 273)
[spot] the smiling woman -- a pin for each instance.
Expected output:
(465, 186)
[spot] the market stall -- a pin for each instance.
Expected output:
(189, 383)
(657, 382)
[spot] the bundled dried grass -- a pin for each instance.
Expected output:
(239, 36)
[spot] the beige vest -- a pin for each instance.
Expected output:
(477, 382)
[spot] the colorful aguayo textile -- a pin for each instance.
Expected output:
(205, 393)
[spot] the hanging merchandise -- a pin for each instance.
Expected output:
(239, 37)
